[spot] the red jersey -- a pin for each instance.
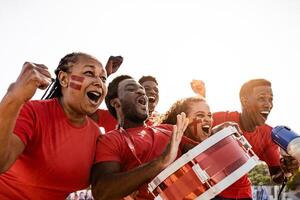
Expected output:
(57, 158)
(106, 120)
(149, 143)
(262, 145)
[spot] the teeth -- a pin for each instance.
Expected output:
(265, 112)
(152, 98)
(205, 126)
(96, 93)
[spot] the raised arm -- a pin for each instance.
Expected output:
(32, 76)
(109, 183)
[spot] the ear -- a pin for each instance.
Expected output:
(244, 101)
(115, 103)
(63, 79)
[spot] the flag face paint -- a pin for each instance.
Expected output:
(76, 82)
(194, 123)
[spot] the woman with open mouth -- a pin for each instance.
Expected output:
(39, 154)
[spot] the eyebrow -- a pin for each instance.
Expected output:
(91, 66)
(131, 85)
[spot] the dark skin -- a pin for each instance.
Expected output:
(108, 182)
(32, 77)
(258, 102)
(112, 66)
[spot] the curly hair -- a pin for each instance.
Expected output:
(182, 105)
(65, 64)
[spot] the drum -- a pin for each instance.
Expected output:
(207, 169)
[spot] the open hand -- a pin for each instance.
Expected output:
(170, 153)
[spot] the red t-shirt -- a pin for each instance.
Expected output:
(57, 158)
(106, 120)
(149, 143)
(262, 145)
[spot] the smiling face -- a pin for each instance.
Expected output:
(200, 119)
(152, 93)
(133, 101)
(83, 86)
(258, 105)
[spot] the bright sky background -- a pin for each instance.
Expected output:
(222, 42)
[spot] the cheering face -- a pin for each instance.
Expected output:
(134, 102)
(259, 104)
(83, 86)
(200, 119)
(152, 93)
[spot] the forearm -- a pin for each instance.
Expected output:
(118, 185)
(9, 110)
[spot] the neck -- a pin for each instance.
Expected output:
(129, 124)
(77, 119)
(246, 123)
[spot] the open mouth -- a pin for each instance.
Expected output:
(151, 99)
(205, 129)
(94, 96)
(142, 100)
(265, 114)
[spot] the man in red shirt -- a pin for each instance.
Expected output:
(257, 101)
(129, 157)
(151, 87)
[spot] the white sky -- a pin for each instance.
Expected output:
(224, 43)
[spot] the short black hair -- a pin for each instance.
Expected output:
(147, 78)
(247, 88)
(112, 92)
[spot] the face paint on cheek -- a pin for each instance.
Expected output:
(75, 86)
(76, 82)
(77, 78)
(194, 125)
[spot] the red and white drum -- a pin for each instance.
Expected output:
(207, 169)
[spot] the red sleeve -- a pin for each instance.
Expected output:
(25, 123)
(219, 117)
(109, 148)
(271, 153)
(106, 120)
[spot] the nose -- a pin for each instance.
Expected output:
(141, 91)
(207, 118)
(98, 82)
(268, 104)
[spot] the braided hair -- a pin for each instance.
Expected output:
(65, 64)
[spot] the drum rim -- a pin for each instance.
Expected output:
(190, 155)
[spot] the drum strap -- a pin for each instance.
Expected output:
(130, 144)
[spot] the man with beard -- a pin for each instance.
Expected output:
(151, 87)
(256, 98)
(130, 156)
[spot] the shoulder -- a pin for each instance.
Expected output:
(111, 136)
(220, 117)
(168, 127)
